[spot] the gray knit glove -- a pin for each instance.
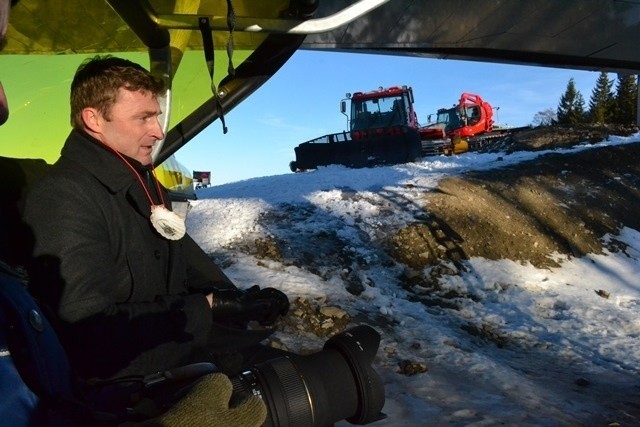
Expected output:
(207, 404)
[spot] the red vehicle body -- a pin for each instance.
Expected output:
(471, 116)
(381, 109)
(383, 130)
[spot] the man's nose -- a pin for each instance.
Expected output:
(157, 131)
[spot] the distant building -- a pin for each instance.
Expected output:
(202, 179)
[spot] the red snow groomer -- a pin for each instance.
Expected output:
(384, 130)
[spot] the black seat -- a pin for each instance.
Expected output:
(16, 177)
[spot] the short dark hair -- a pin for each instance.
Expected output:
(98, 80)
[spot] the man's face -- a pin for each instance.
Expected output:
(133, 127)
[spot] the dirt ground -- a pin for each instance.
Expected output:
(557, 203)
(530, 212)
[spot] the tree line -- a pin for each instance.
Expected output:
(606, 106)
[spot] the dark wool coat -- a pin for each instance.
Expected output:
(126, 300)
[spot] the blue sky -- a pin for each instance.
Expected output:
(301, 102)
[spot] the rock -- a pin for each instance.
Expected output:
(336, 312)
(408, 367)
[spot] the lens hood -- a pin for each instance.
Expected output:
(359, 345)
(321, 388)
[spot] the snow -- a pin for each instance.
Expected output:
(565, 347)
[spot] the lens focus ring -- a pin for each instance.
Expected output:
(298, 401)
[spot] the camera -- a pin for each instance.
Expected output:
(322, 388)
(316, 390)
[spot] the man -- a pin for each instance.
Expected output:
(131, 294)
(34, 373)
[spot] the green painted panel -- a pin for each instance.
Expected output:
(37, 87)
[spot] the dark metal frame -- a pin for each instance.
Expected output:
(285, 35)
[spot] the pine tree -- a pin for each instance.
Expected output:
(571, 107)
(626, 100)
(601, 103)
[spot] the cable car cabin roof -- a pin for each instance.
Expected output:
(579, 34)
(78, 26)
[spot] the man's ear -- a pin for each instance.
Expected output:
(92, 120)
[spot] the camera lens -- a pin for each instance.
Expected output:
(322, 388)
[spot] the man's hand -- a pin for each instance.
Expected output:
(262, 305)
(269, 303)
(210, 299)
(207, 404)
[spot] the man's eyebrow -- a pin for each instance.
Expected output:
(148, 113)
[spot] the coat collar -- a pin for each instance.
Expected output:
(100, 161)
(109, 169)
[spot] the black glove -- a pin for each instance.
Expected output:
(263, 305)
(269, 303)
